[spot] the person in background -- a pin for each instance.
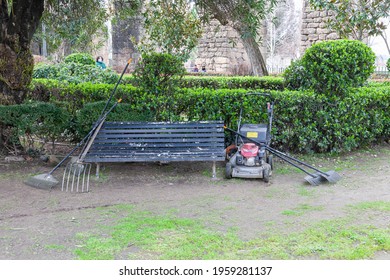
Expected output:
(204, 68)
(100, 63)
(196, 69)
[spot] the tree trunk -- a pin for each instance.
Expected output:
(252, 48)
(16, 60)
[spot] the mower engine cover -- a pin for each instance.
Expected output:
(257, 132)
(249, 150)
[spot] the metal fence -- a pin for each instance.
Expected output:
(380, 70)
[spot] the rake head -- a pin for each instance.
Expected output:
(42, 181)
(318, 178)
(314, 179)
(76, 177)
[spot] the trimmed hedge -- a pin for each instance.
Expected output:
(90, 113)
(76, 95)
(21, 124)
(303, 121)
(216, 82)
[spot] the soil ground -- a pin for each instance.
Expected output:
(33, 222)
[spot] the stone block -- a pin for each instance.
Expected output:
(332, 36)
(322, 31)
(322, 37)
(314, 14)
(312, 25)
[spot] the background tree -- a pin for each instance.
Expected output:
(171, 27)
(282, 25)
(79, 32)
(355, 19)
(246, 17)
(19, 20)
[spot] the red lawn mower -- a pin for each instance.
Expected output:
(248, 159)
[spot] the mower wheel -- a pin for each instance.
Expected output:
(228, 171)
(266, 175)
(270, 161)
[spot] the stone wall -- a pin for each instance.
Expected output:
(122, 46)
(314, 27)
(221, 51)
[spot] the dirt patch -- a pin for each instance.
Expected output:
(41, 224)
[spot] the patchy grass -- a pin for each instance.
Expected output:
(306, 191)
(371, 205)
(301, 209)
(166, 237)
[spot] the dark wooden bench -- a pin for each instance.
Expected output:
(157, 142)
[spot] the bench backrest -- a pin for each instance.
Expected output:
(158, 141)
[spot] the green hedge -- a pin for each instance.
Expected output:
(216, 82)
(76, 95)
(90, 113)
(303, 122)
(21, 125)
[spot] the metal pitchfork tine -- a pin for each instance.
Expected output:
(75, 174)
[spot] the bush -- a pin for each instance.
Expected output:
(90, 113)
(217, 82)
(303, 122)
(75, 73)
(46, 71)
(250, 82)
(80, 58)
(332, 67)
(159, 74)
(22, 124)
(296, 76)
(76, 95)
(76, 68)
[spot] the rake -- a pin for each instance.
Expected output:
(47, 181)
(78, 168)
(313, 178)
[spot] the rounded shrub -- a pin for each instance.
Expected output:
(159, 73)
(45, 71)
(76, 73)
(81, 58)
(334, 66)
(296, 76)
(388, 65)
(79, 73)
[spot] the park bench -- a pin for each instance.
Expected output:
(157, 142)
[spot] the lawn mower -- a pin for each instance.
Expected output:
(251, 155)
(248, 159)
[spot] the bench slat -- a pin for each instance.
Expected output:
(158, 141)
(167, 145)
(156, 135)
(157, 130)
(151, 125)
(152, 159)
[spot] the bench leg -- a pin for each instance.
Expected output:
(214, 176)
(97, 169)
